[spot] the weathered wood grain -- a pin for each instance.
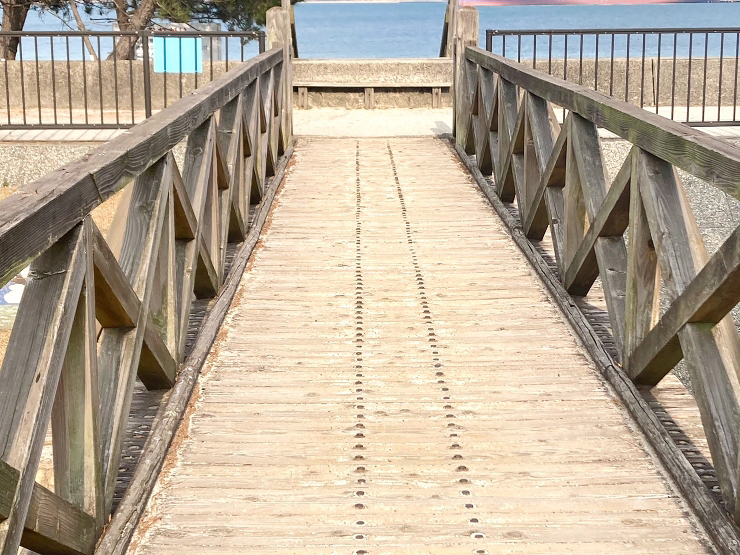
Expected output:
(26, 398)
(52, 523)
(168, 241)
(610, 221)
(588, 222)
(511, 140)
(486, 98)
(681, 254)
(707, 299)
(710, 159)
(231, 137)
(575, 219)
(643, 273)
(610, 251)
(466, 74)
(78, 467)
(551, 190)
(540, 143)
(116, 304)
(193, 257)
(118, 534)
(120, 349)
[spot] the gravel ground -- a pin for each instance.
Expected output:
(716, 212)
(21, 164)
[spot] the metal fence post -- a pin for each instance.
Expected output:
(144, 35)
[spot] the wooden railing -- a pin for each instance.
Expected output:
(556, 175)
(448, 29)
(98, 312)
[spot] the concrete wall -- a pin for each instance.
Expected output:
(646, 87)
(354, 98)
(406, 83)
(388, 71)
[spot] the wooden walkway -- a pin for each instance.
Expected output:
(392, 378)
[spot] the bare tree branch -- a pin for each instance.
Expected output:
(82, 28)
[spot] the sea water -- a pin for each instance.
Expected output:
(414, 29)
(375, 30)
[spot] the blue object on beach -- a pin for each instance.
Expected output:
(10, 294)
(178, 54)
(4, 291)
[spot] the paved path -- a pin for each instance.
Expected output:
(394, 379)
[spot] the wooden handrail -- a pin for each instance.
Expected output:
(505, 118)
(61, 199)
(448, 29)
(687, 148)
(99, 312)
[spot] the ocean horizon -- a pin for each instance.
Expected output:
(413, 28)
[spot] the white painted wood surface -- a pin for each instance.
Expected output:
(483, 428)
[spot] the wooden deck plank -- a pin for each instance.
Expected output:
(394, 379)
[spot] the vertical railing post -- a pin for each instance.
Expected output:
(446, 46)
(293, 35)
(289, 52)
(466, 34)
(144, 35)
(279, 35)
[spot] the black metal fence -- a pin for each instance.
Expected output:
(68, 79)
(689, 75)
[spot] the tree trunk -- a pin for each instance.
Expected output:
(82, 28)
(14, 17)
(126, 46)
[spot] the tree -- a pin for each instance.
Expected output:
(137, 15)
(14, 18)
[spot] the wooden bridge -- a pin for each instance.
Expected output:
(374, 345)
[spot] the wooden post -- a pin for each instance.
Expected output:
(369, 98)
(446, 47)
(279, 35)
(293, 35)
(466, 34)
(436, 97)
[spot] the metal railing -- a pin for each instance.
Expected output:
(68, 79)
(688, 75)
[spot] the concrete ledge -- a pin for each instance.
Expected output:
(369, 98)
(376, 85)
(370, 72)
(373, 83)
